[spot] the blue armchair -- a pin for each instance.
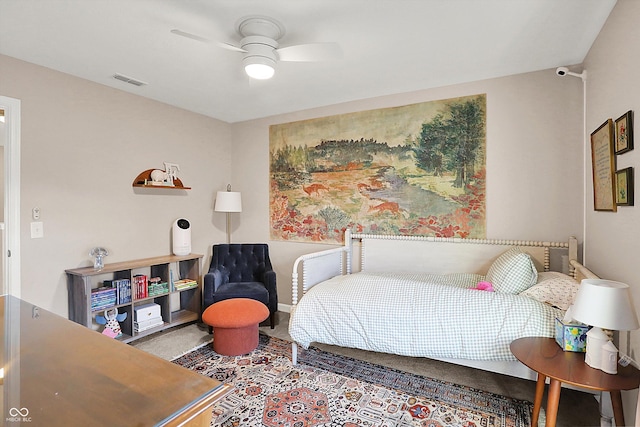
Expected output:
(241, 271)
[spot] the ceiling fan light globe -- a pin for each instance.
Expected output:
(259, 68)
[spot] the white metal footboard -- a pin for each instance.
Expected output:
(318, 267)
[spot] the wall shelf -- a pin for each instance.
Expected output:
(144, 180)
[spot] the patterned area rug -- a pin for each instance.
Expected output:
(325, 389)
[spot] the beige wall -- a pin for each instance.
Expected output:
(534, 161)
(1, 180)
(82, 146)
(612, 244)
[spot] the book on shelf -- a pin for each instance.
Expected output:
(123, 289)
(158, 289)
(184, 284)
(140, 286)
(102, 298)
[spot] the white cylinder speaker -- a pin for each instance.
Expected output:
(181, 237)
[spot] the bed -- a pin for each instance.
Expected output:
(421, 296)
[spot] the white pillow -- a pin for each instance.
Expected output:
(555, 289)
(512, 272)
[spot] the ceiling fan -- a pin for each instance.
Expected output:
(259, 45)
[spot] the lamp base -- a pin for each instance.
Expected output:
(596, 338)
(609, 360)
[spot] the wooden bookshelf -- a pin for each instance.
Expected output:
(177, 306)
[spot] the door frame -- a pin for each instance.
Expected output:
(11, 236)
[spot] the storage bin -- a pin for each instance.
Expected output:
(146, 311)
(571, 337)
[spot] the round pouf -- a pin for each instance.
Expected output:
(235, 325)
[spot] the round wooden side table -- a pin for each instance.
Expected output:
(545, 356)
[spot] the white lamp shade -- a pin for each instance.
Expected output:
(605, 304)
(228, 201)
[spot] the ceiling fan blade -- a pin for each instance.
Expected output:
(189, 35)
(204, 40)
(311, 52)
(229, 46)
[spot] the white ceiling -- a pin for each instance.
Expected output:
(389, 46)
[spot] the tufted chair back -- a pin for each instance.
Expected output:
(241, 262)
(241, 270)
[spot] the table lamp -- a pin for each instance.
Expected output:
(603, 304)
(228, 201)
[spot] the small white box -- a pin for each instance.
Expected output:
(148, 324)
(152, 322)
(147, 311)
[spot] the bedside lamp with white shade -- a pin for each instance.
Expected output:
(603, 304)
(228, 201)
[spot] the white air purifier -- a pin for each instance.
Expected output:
(181, 237)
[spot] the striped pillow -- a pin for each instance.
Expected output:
(513, 272)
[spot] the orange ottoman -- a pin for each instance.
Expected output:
(235, 325)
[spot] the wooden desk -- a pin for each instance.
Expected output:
(59, 373)
(545, 356)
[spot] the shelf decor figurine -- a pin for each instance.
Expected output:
(166, 176)
(158, 178)
(111, 320)
(99, 254)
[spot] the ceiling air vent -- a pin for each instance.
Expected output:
(129, 80)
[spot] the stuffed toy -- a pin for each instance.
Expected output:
(484, 286)
(111, 320)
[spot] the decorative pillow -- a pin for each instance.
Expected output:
(555, 289)
(512, 272)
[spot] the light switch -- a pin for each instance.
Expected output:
(37, 230)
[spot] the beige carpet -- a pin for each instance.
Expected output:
(576, 408)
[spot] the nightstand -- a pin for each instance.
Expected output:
(545, 356)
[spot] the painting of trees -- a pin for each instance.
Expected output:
(416, 170)
(453, 140)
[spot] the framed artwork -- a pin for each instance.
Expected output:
(624, 187)
(624, 133)
(415, 169)
(603, 167)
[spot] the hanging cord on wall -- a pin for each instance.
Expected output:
(562, 72)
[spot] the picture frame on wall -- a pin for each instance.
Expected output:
(624, 187)
(624, 133)
(603, 163)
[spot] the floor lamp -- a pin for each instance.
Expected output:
(228, 201)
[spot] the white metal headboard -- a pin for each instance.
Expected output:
(391, 253)
(410, 253)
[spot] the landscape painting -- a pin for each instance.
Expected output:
(412, 170)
